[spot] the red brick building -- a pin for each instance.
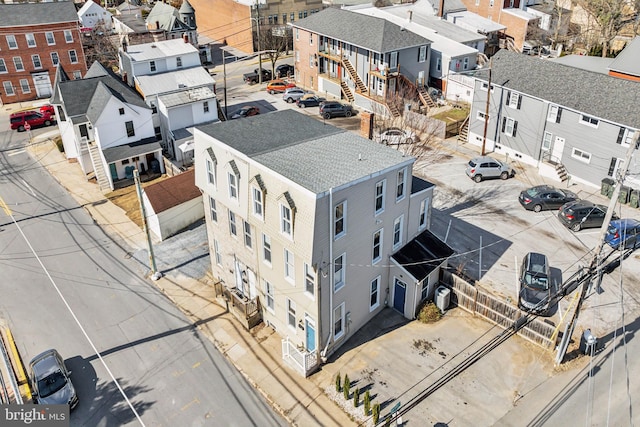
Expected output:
(34, 38)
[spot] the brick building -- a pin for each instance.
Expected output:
(34, 38)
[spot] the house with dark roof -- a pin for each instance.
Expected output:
(306, 226)
(105, 127)
(36, 38)
(571, 123)
(363, 59)
(626, 64)
(172, 204)
(165, 22)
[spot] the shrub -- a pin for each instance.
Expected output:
(346, 386)
(367, 403)
(338, 387)
(376, 413)
(429, 313)
(387, 421)
(356, 397)
(58, 142)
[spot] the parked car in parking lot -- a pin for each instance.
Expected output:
(33, 118)
(50, 380)
(48, 109)
(292, 94)
(535, 284)
(544, 198)
(480, 168)
(623, 233)
(275, 86)
(246, 111)
(285, 70)
(309, 101)
(332, 109)
(581, 214)
(397, 136)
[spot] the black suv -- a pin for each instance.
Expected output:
(335, 109)
(581, 214)
(285, 70)
(535, 284)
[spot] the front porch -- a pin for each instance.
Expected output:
(303, 361)
(247, 311)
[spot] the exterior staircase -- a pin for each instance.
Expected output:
(425, 98)
(463, 134)
(393, 110)
(98, 168)
(346, 91)
(562, 172)
(361, 87)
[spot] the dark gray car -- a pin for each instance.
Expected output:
(480, 168)
(335, 109)
(535, 284)
(51, 381)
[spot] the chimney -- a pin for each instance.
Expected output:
(185, 37)
(124, 77)
(157, 25)
(441, 9)
(410, 15)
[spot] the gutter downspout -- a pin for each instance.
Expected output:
(323, 353)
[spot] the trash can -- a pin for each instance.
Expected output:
(634, 198)
(606, 187)
(625, 192)
(588, 342)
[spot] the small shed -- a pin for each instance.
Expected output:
(173, 204)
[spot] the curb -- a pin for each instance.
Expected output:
(17, 364)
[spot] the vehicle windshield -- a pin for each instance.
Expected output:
(472, 163)
(51, 383)
(533, 192)
(533, 280)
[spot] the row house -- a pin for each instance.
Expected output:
(564, 120)
(34, 39)
(363, 59)
(165, 22)
(315, 248)
(169, 77)
(105, 127)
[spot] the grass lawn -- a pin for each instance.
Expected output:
(453, 115)
(127, 199)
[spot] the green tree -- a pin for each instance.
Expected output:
(376, 413)
(610, 18)
(367, 403)
(346, 387)
(356, 397)
(338, 387)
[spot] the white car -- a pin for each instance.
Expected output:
(292, 94)
(397, 136)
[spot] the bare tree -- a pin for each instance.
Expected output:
(610, 18)
(101, 46)
(275, 39)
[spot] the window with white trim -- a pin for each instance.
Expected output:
(485, 86)
(247, 235)
(24, 86)
(514, 100)
(257, 202)
(309, 279)
(311, 60)
(17, 62)
(397, 232)
(291, 313)
(339, 220)
(422, 53)
(374, 294)
(554, 114)
(54, 58)
(51, 40)
(233, 228)
(8, 88)
(152, 66)
(11, 41)
(614, 167)
(509, 126)
(401, 184)
(338, 321)
(424, 211)
(482, 116)
(178, 62)
(31, 40)
(625, 137)
(131, 131)
(211, 171)
(212, 210)
(73, 56)
(393, 60)
(338, 272)
(310, 39)
(289, 266)
(377, 247)
(546, 141)
(285, 220)
(589, 121)
(379, 199)
(68, 36)
(269, 296)
(583, 156)
(233, 186)
(438, 64)
(216, 251)
(266, 249)
(205, 107)
(36, 61)
(3, 67)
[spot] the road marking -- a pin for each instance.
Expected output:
(16, 152)
(195, 400)
(29, 188)
(5, 207)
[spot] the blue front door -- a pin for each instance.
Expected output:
(114, 171)
(399, 292)
(310, 330)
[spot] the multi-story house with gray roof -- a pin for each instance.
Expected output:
(180, 91)
(106, 127)
(165, 22)
(569, 122)
(34, 39)
(313, 229)
(363, 59)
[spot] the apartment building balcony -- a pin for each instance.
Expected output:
(247, 311)
(303, 361)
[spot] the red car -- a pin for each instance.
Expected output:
(33, 118)
(49, 109)
(278, 86)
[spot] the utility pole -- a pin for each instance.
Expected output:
(259, 47)
(486, 110)
(593, 267)
(224, 74)
(155, 274)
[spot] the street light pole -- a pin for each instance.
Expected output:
(258, 36)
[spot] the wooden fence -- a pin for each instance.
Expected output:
(478, 302)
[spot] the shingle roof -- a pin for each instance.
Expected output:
(166, 16)
(20, 14)
(132, 149)
(368, 32)
(161, 49)
(627, 61)
(423, 254)
(90, 95)
(171, 81)
(173, 191)
(599, 95)
(315, 155)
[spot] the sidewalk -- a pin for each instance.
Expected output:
(256, 355)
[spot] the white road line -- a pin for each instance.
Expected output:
(16, 153)
(29, 188)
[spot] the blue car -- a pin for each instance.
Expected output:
(623, 233)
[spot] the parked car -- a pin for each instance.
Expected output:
(623, 233)
(278, 86)
(581, 214)
(34, 118)
(335, 109)
(309, 101)
(397, 136)
(252, 78)
(51, 381)
(285, 70)
(535, 284)
(48, 109)
(480, 168)
(246, 111)
(292, 94)
(544, 198)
